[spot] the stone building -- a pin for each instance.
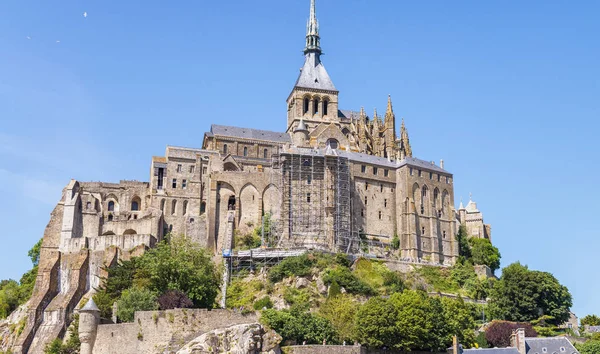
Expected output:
(333, 180)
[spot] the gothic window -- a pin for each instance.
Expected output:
(265, 153)
(135, 206)
(162, 205)
(224, 149)
(245, 151)
(173, 207)
(316, 106)
(185, 205)
(111, 206)
(424, 192)
(325, 107)
(305, 106)
(174, 184)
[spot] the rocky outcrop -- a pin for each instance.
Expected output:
(241, 339)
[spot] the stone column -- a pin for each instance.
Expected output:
(89, 318)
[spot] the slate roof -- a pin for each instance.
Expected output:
(90, 306)
(554, 345)
(348, 114)
(509, 350)
(313, 74)
(247, 133)
(371, 159)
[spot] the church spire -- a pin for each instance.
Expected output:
(404, 141)
(313, 41)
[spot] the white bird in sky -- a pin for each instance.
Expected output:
(57, 41)
(28, 37)
(85, 14)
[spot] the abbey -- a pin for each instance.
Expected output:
(335, 180)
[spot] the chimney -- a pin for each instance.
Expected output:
(517, 340)
(442, 163)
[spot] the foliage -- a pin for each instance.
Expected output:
(393, 282)
(135, 299)
(462, 272)
(480, 341)
(498, 332)
(340, 311)
(34, 252)
(248, 241)
(174, 299)
(525, 295)
(242, 293)
(347, 280)
(395, 242)
(182, 265)
(459, 320)
(375, 323)
(334, 290)
(589, 347)
(438, 278)
(464, 250)
(263, 303)
(13, 294)
(299, 266)
(105, 303)
(484, 253)
(297, 297)
(297, 326)
(590, 320)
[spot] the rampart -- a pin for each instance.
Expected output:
(163, 331)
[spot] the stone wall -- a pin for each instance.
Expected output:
(319, 349)
(155, 331)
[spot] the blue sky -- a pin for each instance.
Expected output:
(506, 92)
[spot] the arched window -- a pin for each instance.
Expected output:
(135, 206)
(316, 106)
(265, 153)
(231, 203)
(346, 132)
(111, 206)
(162, 205)
(173, 207)
(245, 151)
(110, 217)
(88, 205)
(225, 149)
(185, 204)
(332, 143)
(305, 105)
(325, 107)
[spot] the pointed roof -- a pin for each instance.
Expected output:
(313, 74)
(90, 306)
(301, 127)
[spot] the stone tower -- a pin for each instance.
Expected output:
(89, 318)
(314, 98)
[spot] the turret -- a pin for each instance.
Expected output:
(300, 136)
(89, 318)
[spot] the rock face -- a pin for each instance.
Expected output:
(240, 339)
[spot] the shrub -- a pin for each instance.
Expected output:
(590, 320)
(483, 252)
(375, 323)
(264, 303)
(498, 332)
(347, 280)
(174, 299)
(135, 299)
(299, 266)
(340, 312)
(589, 347)
(297, 326)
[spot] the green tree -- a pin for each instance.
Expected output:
(590, 320)
(340, 311)
(589, 347)
(523, 295)
(460, 321)
(375, 323)
(484, 253)
(135, 299)
(464, 250)
(34, 252)
(395, 242)
(9, 297)
(297, 326)
(181, 265)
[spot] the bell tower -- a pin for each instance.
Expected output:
(314, 98)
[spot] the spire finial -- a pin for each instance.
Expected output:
(470, 197)
(389, 107)
(313, 41)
